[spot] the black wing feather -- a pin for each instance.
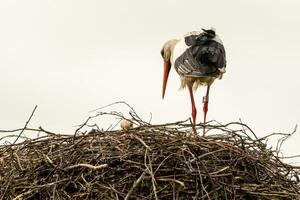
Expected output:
(203, 57)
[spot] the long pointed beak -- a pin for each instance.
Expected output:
(167, 67)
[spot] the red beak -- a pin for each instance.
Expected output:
(167, 67)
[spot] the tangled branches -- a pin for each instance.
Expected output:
(146, 162)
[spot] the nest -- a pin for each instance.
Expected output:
(146, 162)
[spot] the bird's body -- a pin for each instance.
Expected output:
(185, 62)
(198, 58)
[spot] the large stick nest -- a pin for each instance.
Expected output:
(146, 162)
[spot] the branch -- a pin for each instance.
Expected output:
(25, 124)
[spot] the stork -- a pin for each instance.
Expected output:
(199, 58)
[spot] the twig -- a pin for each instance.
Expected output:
(82, 125)
(150, 171)
(88, 166)
(141, 141)
(23, 195)
(172, 180)
(25, 124)
(135, 184)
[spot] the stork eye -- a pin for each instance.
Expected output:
(162, 53)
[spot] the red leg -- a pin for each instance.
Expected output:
(205, 107)
(194, 110)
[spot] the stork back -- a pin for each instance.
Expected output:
(203, 56)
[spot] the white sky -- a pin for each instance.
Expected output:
(71, 56)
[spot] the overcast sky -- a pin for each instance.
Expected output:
(70, 56)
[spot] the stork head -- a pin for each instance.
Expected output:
(166, 53)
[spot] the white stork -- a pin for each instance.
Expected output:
(198, 58)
